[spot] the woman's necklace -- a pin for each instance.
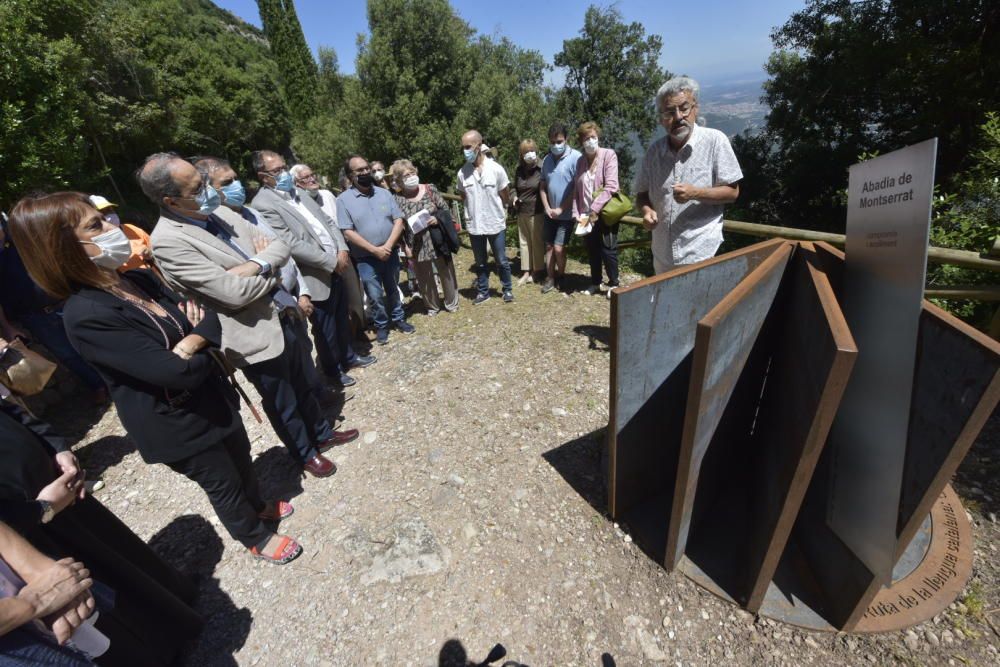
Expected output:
(151, 309)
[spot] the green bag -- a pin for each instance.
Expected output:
(615, 209)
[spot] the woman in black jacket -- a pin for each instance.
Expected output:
(153, 351)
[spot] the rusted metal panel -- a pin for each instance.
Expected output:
(725, 338)
(652, 336)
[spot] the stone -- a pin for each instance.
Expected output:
(911, 640)
(558, 412)
(650, 648)
(811, 643)
(455, 481)
(413, 551)
(666, 621)
(434, 456)
(932, 638)
(947, 637)
(369, 437)
(704, 615)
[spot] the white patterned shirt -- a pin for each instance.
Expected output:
(692, 231)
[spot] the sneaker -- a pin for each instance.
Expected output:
(526, 278)
(382, 336)
(592, 290)
(405, 327)
(361, 361)
(609, 293)
(481, 298)
(508, 296)
(548, 286)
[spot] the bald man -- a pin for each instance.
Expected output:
(484, 187)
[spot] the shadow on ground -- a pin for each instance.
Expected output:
(279, 476)
(103, 453)
(581, 462)
(192, 545)
(599, 337)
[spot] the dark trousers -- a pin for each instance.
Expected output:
(602, 247)
(284, 384)
(332, 330)
(225, 472)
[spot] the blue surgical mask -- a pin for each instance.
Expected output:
(285, 182)
(208, 200)
(558, 149)
(469, 153)
(235, 193)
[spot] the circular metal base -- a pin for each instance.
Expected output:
(928, 577)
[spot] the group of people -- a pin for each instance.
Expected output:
(163, 321)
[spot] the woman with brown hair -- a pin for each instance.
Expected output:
(153, 352)
(530, 212)
(596, 181)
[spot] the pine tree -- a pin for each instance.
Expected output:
(299, 74)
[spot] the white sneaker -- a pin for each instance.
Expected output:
(592, 290)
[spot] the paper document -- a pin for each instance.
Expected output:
(419, 221)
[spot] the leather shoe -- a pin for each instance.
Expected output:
(320, 466)
(338, 438)
(361, 361)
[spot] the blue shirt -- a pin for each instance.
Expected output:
(558, 178)
(372, 216)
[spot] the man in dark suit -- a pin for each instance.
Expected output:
(321, 253)
(211, 253)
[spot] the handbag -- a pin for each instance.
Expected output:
(24, 371)
(615, 209)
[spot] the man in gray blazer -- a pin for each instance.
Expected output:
(211, 254)
(321, 253)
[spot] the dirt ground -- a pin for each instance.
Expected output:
(470, 512)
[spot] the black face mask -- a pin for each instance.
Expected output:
(365, 180)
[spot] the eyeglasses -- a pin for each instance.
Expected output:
(201, 191)
(274, 172)
(310, 177)
(683, 110)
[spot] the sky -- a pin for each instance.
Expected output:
(714, 41)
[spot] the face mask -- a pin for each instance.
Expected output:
(285, 182)
(365, 180)
(235, 193)
(208, 200)
(469, 153)
(115, 249)
(378, 175)
(530, 157)
(590, 145)
(411, 181)
(558, 149)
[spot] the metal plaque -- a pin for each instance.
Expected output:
(888, 221)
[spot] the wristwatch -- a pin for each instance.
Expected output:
(48, 511)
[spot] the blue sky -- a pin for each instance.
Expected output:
(714, 41)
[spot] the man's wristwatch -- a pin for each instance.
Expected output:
(48, 511)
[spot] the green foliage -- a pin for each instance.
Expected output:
(851, 77)
(298, 71)
(96, 85)
(612, 75)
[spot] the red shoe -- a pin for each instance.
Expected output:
(339, 438)
(320, 466)
(287, 551)
(276, 510)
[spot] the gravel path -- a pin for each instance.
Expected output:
(470, 512)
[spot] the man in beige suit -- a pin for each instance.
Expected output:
(210, 253)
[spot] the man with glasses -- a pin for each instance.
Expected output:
(685, 180)
(321, 253)
(211, 253)
(372, 222)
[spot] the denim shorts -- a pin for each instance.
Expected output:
(558, 232)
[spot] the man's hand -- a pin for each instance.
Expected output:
(383, 253)
(685, 192)
(54, 588)
(68, 464)
(260, 243)
(649, 219)
(343, 261)
(306, 304)
(192, 311)
(62, 492)
(70, 617)
(554, 212)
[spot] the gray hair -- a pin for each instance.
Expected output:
(678, 84)
(207, 165)
(156, 177)
(297, 169)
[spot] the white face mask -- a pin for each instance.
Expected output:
(411, 181)
(590, 145)
(378, 175)
(115, 249)
(530, 157)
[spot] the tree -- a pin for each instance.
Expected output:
(612, 72)
(859, 77)
(299, 74)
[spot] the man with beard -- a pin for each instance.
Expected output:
(685, 180)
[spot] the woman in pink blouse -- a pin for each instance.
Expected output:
(596, 181)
